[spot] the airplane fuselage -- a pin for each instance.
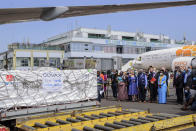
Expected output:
(163, 58)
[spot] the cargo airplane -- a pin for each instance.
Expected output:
(183, 57)
(14, 15)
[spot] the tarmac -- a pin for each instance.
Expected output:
(171, 107)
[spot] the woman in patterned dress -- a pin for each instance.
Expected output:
(122, 90)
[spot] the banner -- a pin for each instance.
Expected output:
(52, 81)
(46, 87)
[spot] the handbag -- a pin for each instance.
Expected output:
(152, 81)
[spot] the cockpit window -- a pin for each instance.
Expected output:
(139, 58)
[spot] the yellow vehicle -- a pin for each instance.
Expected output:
(106, 119)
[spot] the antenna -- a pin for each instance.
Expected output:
(23, 43)
(71, 26)
(184, 38)
(109, 31)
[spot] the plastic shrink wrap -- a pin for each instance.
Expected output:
(21, 89)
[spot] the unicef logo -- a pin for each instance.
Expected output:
(52, 75)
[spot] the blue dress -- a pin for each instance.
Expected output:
(162, 89)
(132, 85)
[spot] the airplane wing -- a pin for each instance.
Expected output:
(13, 15)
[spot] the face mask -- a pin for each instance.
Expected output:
(161, 74)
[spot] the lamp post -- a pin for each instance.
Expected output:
(84, 62)
(92, 62)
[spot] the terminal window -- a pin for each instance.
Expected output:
(23, 62)
(137, 50)
(148, 49)
(36, 61)
(39, 61)
(67, 48)
(128, 38)
(154, 40)
(97, 48)
(77, 47)
(54, 62)
(98, 36)
(119, 49)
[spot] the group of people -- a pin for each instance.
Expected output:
(133, 85)
(184, 82)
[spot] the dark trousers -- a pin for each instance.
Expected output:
(130, 97)
(179, 93)
(193, 107)
(142, 93)
(98, 91)
(153, 92)
(114, 89)
(156, 91)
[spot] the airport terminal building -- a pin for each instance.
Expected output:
(86, 48)
(30, 57)
(106, 49)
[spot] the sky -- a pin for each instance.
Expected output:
(173, 22)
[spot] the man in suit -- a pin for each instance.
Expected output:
(178, 83)
(114, 83)
(151, 83)
(142, 85)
